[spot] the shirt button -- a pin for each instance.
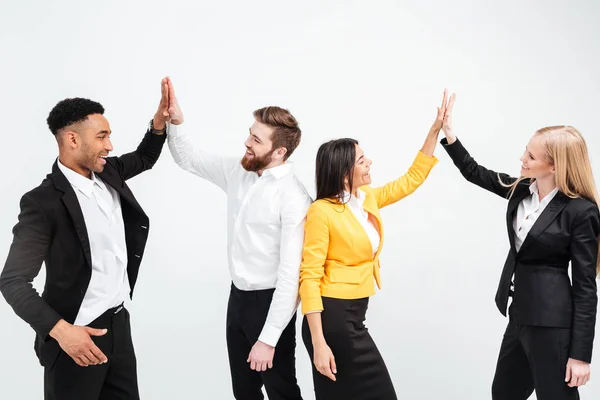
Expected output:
(137, 255)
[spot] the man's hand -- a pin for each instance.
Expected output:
(162, 114)
(75, 340)
(578, 373)
(261, 356)
(175, 113)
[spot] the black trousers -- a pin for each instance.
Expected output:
(117, 379)
(246, 315)
(361, 371)
(533, 358)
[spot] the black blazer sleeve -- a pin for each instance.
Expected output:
(476, 173)
(30, 243)
(584, 256)
(142, 159)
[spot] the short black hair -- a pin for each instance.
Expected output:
(70, 111)
(335, 162)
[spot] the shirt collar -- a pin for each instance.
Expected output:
(80, 182)
(278, 171)
(533, 189)
(359, 198)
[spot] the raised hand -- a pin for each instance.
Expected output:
(161, 117)
(447, 123)
(441, 110)
(175, 113)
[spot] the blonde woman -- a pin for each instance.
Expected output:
(552, 220)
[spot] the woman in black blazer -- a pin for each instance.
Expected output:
(552, 220)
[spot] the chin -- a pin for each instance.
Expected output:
(97, 168)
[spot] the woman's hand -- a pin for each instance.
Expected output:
(447, 120)
(324, 360)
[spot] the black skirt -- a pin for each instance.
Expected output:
(361, 371)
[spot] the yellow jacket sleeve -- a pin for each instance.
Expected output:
(314, 254)
(407, 183)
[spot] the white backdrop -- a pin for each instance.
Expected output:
(372, 70)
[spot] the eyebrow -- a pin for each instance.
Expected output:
(360, 158)
(104, 133)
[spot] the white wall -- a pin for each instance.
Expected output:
(373, 70)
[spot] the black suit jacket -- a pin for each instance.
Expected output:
(51, 229)
(567, 230)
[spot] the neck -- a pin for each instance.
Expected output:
(273, 164)
(72, 165)
(354, 192)
(545, 186)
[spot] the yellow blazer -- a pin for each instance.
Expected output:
(337, 259)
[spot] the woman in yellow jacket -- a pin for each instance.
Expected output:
(340, 262)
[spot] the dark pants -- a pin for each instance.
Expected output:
(117, 379)
(361, 371)
(246, 316)
(533, 357)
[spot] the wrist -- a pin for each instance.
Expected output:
(158, 125)
(319, 342)
(59, 329)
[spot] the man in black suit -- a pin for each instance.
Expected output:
(85, 224)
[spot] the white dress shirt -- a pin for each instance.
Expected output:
(356, 205)
(528, 212)
(101, 208)
(265, 226)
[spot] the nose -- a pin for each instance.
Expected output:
(109, 146)
(248, 143)
(522, 159)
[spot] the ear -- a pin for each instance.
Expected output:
(71, 139)
(280, 153)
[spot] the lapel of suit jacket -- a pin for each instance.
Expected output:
(551, 211)
(69, 198)
(519, 194)
(114, 181)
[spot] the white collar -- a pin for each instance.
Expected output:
(278, 171)
(83, 184)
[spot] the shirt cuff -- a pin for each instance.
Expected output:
(423, 158)
(172, 130)
(270, 335)
(312, 304)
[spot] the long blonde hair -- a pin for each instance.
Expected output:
(567, 151)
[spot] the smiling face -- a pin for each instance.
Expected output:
(535, 162)
(259, 148)
(86, 144)
(361, 172)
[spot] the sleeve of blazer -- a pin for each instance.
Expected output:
(476, 173)
(314, 254)
(142, 159)
(584, 256)
(31, 239)
(407, 183)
